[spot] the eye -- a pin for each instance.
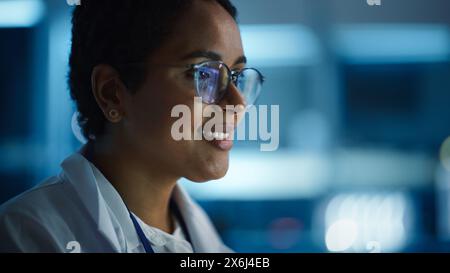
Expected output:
(204, 75)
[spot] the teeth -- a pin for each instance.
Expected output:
(216, 135)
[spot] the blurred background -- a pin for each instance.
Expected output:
(364, 94)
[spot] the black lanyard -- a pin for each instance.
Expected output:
(145, 242)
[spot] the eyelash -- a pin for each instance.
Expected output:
(190, 72)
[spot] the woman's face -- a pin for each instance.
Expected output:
(146, 127)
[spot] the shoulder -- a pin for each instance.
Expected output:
(26, 221)
(38, 201)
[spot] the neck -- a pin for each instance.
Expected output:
(145, 191)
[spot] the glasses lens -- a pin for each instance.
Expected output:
(249, 83)
(211, 81)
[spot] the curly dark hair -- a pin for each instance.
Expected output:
(116, 32)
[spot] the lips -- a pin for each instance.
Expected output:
(221, 139)
(224, 145)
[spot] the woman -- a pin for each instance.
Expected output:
(131, 63)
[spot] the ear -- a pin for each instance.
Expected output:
(109, 92)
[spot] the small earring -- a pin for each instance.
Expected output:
(114, 114)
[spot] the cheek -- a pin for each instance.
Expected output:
(148, 124)
(149, 130)
(149, 115)
(152, 106)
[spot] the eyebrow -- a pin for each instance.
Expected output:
(212, 56)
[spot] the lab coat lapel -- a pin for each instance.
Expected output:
(203, 235)
(79, 173)
(119, 210)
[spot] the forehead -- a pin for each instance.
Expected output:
(204, 26)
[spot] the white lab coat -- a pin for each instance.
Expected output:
(69, 213)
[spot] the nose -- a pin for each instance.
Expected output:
(233, 97)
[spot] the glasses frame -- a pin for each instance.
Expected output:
(233, 76)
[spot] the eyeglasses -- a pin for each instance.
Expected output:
(213, 78)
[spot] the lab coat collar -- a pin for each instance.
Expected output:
(204, 236)
(86, 179)
(79, 173)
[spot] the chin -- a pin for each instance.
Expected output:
(212, 172)
(206, 163)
